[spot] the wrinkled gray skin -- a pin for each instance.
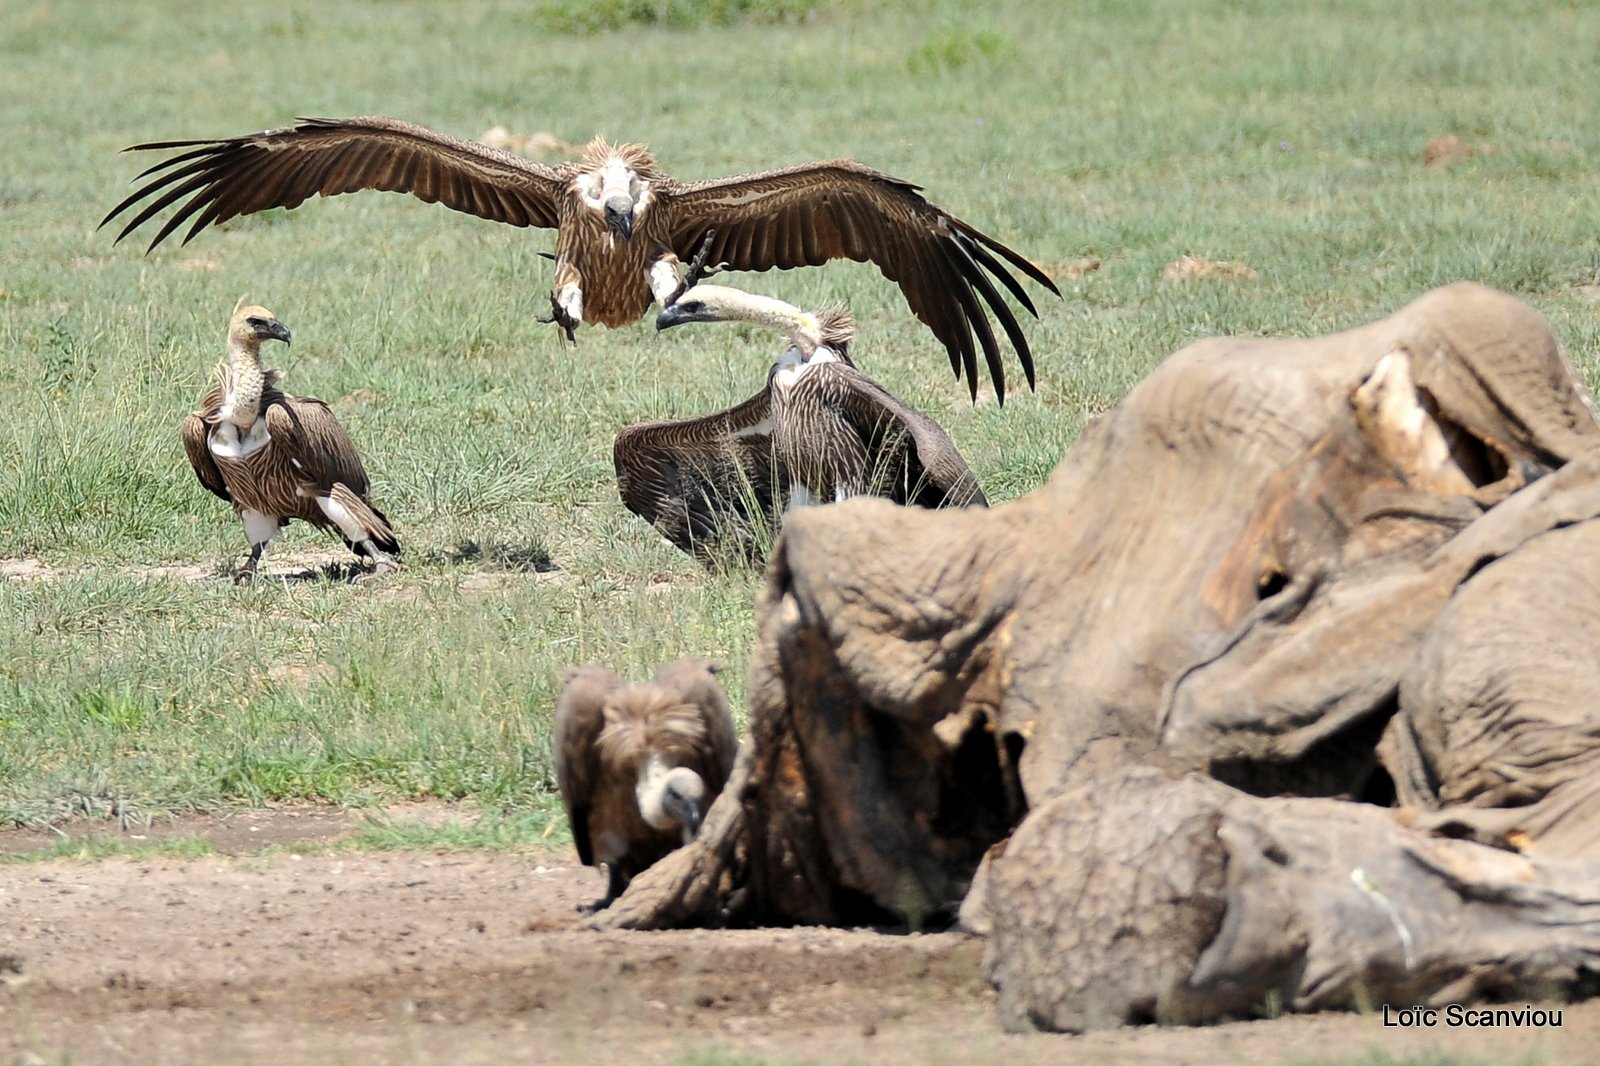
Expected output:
(1231, 574)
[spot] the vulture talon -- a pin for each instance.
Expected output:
(559, 316)
(697, 272)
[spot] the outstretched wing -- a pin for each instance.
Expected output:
(909, 456)
(580, 716)
(707, 484)
(806, 215)
(319, 156)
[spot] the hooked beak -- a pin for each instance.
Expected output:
(279, 330)
(619, 216)
(680, 311)
(686, 810)
(670, 316)
(691, 817)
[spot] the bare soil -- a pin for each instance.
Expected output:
(413, 957)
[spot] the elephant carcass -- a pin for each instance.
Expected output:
(1229, 572)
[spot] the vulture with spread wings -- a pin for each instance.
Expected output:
(820, 431)
(622, 226)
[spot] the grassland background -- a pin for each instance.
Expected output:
(1284, 136)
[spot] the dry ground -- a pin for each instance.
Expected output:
(405, 957)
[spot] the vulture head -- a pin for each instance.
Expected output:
(252, 325)
(831, 328)
(671, 799)
(650, 733)
(615, 183)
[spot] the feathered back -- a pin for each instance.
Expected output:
(645, 719)
(837, 326)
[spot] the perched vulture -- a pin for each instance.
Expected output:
(622, 226)
(639, 764)
(276, 457)
(820, 431)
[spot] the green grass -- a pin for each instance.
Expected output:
(1284, 137)
(188, 847)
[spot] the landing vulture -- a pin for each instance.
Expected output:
(623, 227)
(820, 431)
(276, 457)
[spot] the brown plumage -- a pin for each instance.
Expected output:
(821, 430)
(638, 765)
(623, 227)
(276, 457)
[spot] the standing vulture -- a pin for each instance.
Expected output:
(622, 226)
(276, 457)
(638, 765)
(819, 431)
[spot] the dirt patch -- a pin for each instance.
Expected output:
(304, 565)
(404, 957)
(245, 832)
(496, 569)
(1190, 267)
(1448, 150)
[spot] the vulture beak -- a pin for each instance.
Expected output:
(685, 809)
(619, 216)
(691, 817)
(279, 330)
(681, 311)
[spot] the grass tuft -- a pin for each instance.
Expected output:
(588, 17)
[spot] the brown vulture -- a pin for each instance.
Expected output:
(276, 457)
(622, 226)
(818, 432)
(638, 765)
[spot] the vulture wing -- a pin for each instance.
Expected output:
(195, 433)
(693, 680)
(580, 716)
(318, 156)
(910, 457)
(318, 445)
(809, 214)
(704, 481)
(322, 453)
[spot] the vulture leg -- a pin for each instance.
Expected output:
(259, 529)
(698, 271)
(247, 573)
(560, 316)
(615, 884)
(382, 561)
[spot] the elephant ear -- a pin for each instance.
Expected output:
(1496, 732)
